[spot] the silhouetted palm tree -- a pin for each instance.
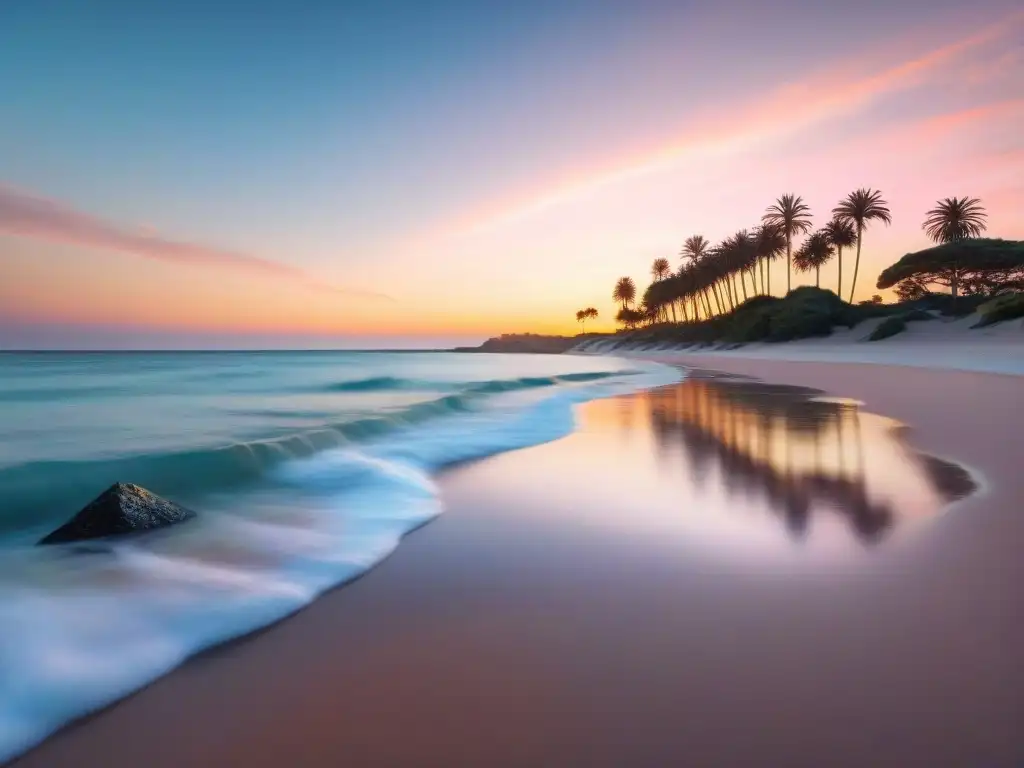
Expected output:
(695, 248)
(955, 218)
(860, 207)
(721, 268)
(842, 235)
(625, 291)
(770, 243)
(816, 251)
(793, 217)
(586, 314)
(660, 269)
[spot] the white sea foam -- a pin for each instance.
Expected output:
(85, 625)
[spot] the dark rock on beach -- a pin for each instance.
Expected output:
(122, 508)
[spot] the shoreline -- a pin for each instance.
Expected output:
(403, 632)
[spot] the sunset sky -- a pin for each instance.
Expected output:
(269, 173)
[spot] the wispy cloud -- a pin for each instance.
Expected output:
(27, 215)
(839, 91)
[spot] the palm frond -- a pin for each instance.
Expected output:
(954, 219)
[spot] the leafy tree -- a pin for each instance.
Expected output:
(955, 218)
(793, 217)
(841, 234)
(629, 317)
(625, 291)
(860, 208)
(977, 265)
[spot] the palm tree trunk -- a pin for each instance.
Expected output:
(817, 277)
(789, 264)
(839, 251)
(768, 271)
(856, 264)
(744, 284)
(718, 298)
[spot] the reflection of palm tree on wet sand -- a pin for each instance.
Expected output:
(733, 425)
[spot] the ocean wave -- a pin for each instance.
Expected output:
(492, 386)
(372, 384)
(85, 626)
(31, 497)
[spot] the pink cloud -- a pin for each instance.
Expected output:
(26, 215)
(838, 91)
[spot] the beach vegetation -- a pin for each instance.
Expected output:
(582, 315)
(816, 251)
(955, 219)
(792, 216)
(722, 291)
(631, 318)
(860, 208)
(889, 327)
(660, 269)
(978, 266)
(624, 292)
(1006, 307)
(842, 234)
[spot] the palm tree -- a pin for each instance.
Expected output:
(860, 207)
(586, 314)
(816, 251)
(793, 217)
(625, 291)
(745, 258)
(720, 268)
(770, 243)
(695, 248)
(842, 235)
(954, 219)
(660, 270)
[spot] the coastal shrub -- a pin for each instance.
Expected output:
(806, 312)
(757, 303)
(888, 327)
(751, 325)
(946, 305)
(800, 322)
(915, 315)
(1008, 307)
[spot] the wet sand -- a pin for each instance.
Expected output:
(699, 576)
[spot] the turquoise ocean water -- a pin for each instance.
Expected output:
(306, 468)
